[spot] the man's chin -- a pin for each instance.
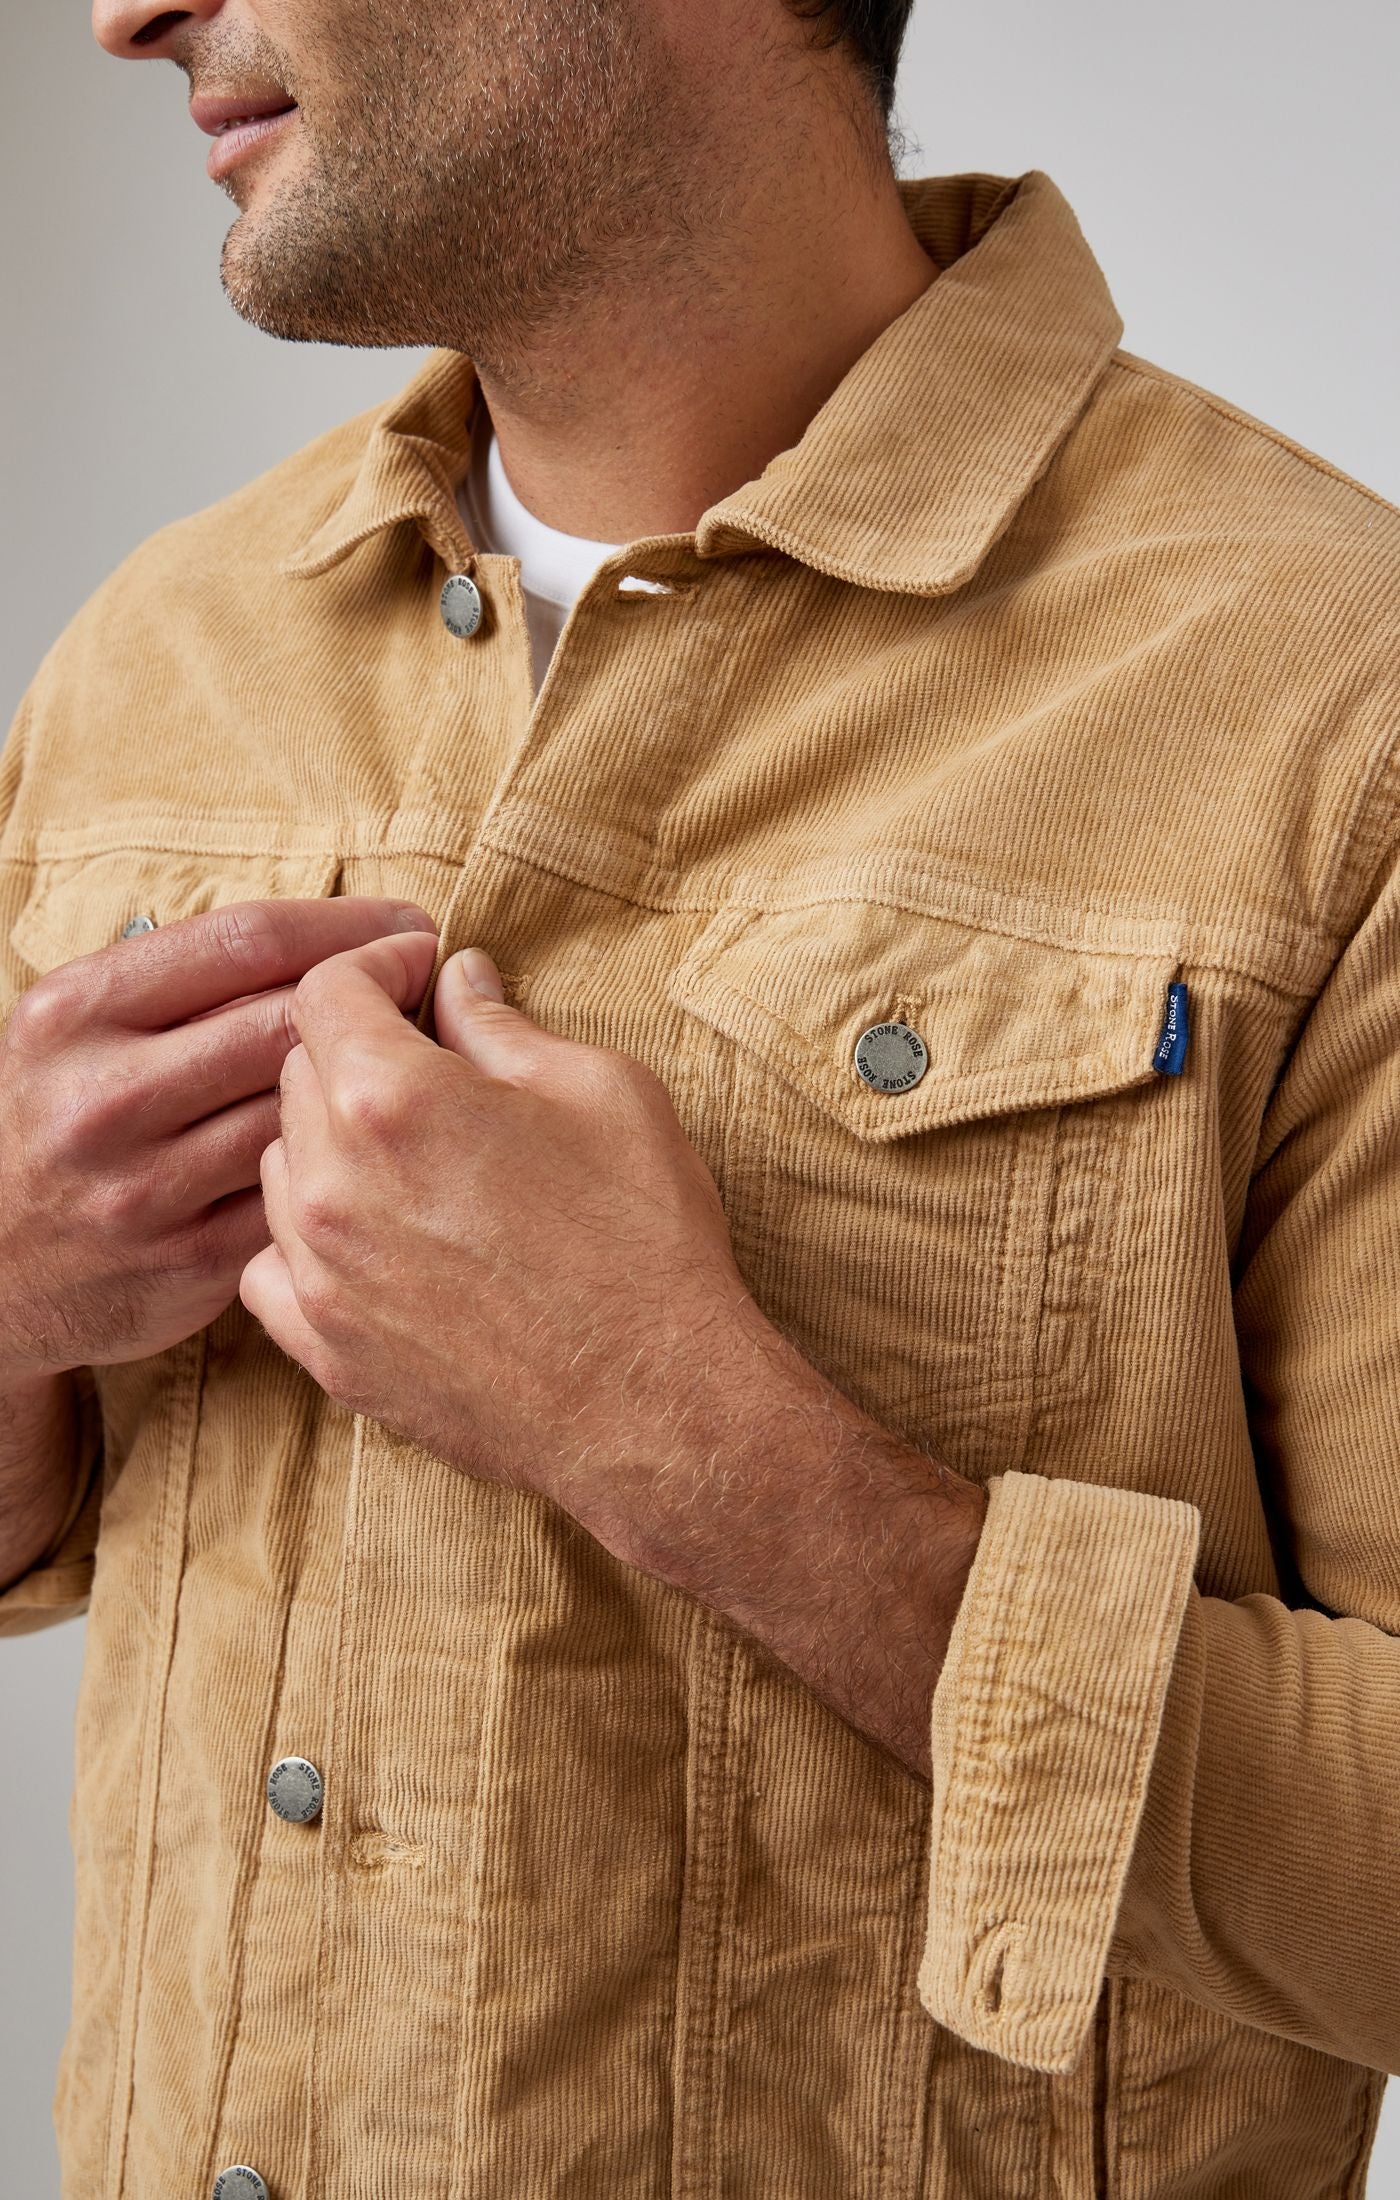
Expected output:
(265, 305)
(292, 297)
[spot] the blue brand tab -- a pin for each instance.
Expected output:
(1170, 1057)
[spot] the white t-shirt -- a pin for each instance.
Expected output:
(553, 567)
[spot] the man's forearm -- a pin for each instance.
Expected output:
(840, 1549)
(861, 1594)
(38, 1467)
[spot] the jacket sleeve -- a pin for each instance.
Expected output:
(57, 1586)
(59, 1583)
(1131, 1777)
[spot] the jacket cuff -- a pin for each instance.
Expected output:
(58, 1585)
(1045, 1720)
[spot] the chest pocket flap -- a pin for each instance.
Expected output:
(81, 903)
(1008, 1021)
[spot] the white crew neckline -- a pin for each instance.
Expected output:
(554, 567)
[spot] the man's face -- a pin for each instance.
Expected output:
(451, 173)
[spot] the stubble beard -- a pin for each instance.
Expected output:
(449, 202)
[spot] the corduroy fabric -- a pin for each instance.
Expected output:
(1031, 680)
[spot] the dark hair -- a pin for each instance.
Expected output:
(872, 30)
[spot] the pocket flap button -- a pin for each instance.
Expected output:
(891, 1057)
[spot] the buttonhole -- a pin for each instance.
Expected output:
(374, 1849)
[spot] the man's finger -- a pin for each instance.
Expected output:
(354, 1005)
(301, 1107)
(226, 1055)
(265, 1287)
(160, 978)
(472, 1019)
(272, 1171)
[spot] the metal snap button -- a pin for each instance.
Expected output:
(141, 923)
(891, 1057)
(238, 2182)
(294, 1789)
(460, 605)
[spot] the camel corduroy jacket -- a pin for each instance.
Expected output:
(1050, 705)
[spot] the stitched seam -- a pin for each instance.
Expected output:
(897, 2077)
(116, 2140)
(43, 851)
(342, 843)
(493, 1718)
(726, 1807)
(1296, 938)
(154, 1726)
(1369, 2099)
(945, 913)
(1363, 838)
(1204, 954)
(706, 1898)
(1030, 1382)
(257, 1846)
(1010, 1372)
(977, 1679)
(328, 1889)
(717, 937)
(1146, 372)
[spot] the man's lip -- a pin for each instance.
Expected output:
(242, 136)
(214, 115)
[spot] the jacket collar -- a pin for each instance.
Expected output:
(906, 475)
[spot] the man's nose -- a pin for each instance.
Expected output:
(135, 31)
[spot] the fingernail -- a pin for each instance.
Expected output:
(480, 972)
(408, 917)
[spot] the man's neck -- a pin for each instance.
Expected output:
(672, 386)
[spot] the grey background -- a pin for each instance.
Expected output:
(1234, 167)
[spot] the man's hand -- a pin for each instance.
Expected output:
(503, 1247)
(137, 1093)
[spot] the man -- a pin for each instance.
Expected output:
(698, 1262)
